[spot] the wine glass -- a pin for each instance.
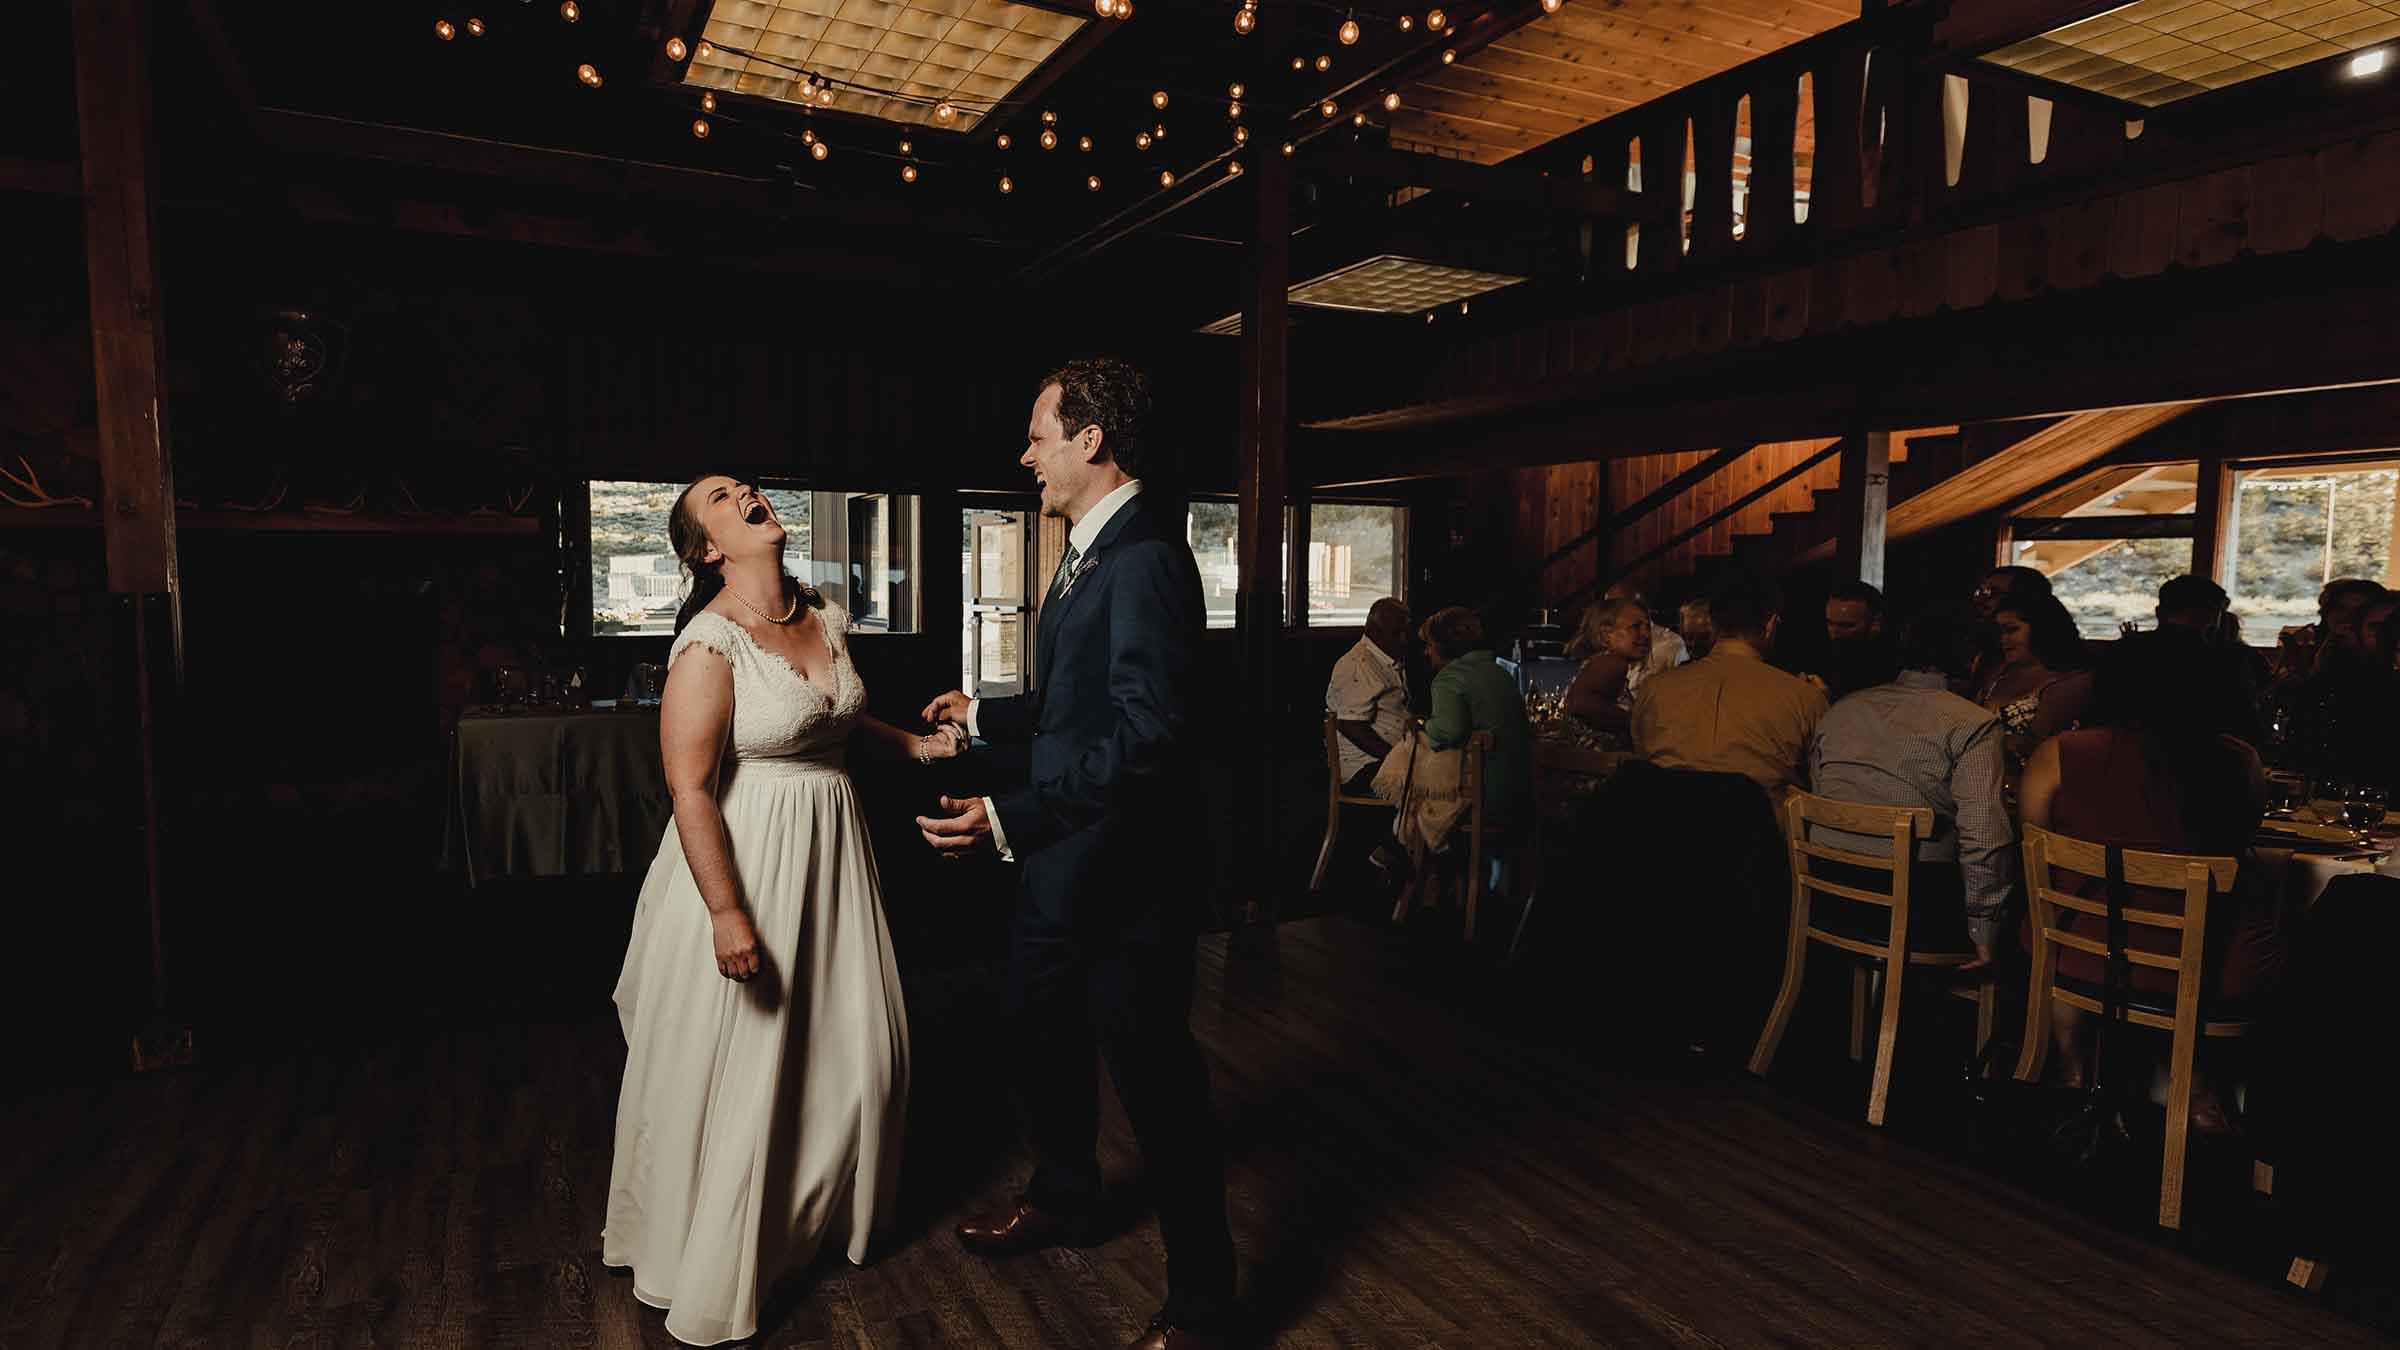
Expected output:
(2363, 808)
(511, 686)
(2287, 792)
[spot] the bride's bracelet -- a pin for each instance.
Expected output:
(924, 755)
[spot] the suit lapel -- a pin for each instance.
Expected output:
(1053, 614)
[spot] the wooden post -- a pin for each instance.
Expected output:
(1262, 480)
(137, 497)
(2212, 512)
(1865, 494)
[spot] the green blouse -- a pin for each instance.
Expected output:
(1471, 694)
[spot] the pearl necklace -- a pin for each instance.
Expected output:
(762, 614)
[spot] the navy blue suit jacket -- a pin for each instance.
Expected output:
(1105, 816)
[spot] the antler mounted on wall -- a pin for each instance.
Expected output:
(31, 482)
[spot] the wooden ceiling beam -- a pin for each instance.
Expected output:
(1483, 182)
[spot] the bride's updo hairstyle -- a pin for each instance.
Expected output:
(689, 539)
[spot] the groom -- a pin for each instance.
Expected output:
(1101, 946)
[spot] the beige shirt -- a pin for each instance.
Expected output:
(1367, 686)
(1729, 712)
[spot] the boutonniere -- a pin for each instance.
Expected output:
(1074, 573)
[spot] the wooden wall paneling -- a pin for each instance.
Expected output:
(2287, 204)
(1922, 271)
(2213, 220)
(2143, 231)
(1774, 110)
(1839, 86)
(2079, 240)
(1712, 317)
(1871, 285)
(2084, 141)
(1993, 160)
(2362, 187)
(2024, 258)
(1971, 259)
(1712, 161)
(1791, 300)
(1746, 312)
(1828, 303)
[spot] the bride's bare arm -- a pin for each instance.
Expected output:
(944, 743)
(694, 716)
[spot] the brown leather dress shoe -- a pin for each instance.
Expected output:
(1165, 1335)
(1022, 1229)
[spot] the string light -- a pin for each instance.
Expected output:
(1106, 9)
(704, 51)
(944, 112)
(1049, 119)
(700, 128)
(1236, 90)
(1006, 186)
(588, 75)
(1159, 100)
(1124, 9)
(1391, 102)
(817, 151)
(443, 30)
(1166, 178)
(1084, 143)
(1241, 135)
(908, 173)
(1244, 21)
(1324, 63)
(825, 96)
(1141, 140)
(676, 51)
(1234, 111)
(570, 11)
(1287, 147)
(1408, 22)
(1551, 6)
(1233, 168)
(1349, 32)
(1299, 63)
(1358, 119)
(1448, 55)
(1159, 132)
(1435, 20)
(1327, 108)
(908, 147)
(708, 102)
(1092, 183)
(474, 28)
(1049, 139)
(1004, 142)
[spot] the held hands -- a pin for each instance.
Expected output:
(737, 944)
(966, 827)
(950, 709)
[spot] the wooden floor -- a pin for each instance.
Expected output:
(1404, 1174)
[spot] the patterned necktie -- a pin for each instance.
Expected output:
(1065, 580)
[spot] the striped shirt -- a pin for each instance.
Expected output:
(1914, 743)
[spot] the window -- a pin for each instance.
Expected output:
(2294, 529)
(2108, 542)
(857, 547)
(1213, 530)
(1357, 555)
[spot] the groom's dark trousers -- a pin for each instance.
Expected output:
(1102, 945)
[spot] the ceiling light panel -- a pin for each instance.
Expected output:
(2159, 52)
(893, 60)
(1395, 285)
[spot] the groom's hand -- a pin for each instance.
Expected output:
(950, 708)
(966, 827)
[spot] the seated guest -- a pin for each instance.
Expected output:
(2337, 690)
(1731, 712)
(1613, 642)
(1692, 623)
(2150, 771)
(2191, 621)
(1666, 646)
(2040, 684)
(2001, 583)
(1368, 695)
(1470, 694)
(1905, 740)
(1853, 610)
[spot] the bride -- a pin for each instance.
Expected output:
(766, 1068)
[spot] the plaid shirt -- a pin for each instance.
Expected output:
(1914, 743)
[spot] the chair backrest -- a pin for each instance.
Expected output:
(1333, 748)
(1905, 826)
(1470, 777)
(2197, 876)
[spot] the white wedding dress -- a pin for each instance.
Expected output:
(758, 1120)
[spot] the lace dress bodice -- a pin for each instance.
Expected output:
(777, 713)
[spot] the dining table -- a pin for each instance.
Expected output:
(555, 792)
(2316, 847)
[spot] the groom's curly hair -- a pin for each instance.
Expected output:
(1109, 394)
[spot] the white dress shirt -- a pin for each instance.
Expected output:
(1367, 686)
(1079, 540)
(1666, 652)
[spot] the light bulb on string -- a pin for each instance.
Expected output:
(1324, 63)
(1159, 132)
(443, 30)
(817, 151)
(1551, 6)
(1084, 143)
(825, 96)
(1288, 148)
(1244, 21)
(1408, 23)
(1124, 9)
(1106, 9)
(1391, 102)
(1241, 135)
(1348, 33)
(703, 52)
(1141, 140)
(1159, 99)
(708, 102)
(1092, 184)
(1237, 89)
(1233, 168)
(1049, 139)
(1448, 56)
(1328, 108)
(1049, 119)
(1234, 111)
(1004, 141)
(1006, 186)
(1358, 119)
(944, 112)
(1435, 20)
(588, 75)
(700, 128)
(474, 28)
(1166, 178)
(908, 147)
(908, 173)
(570, 11)
(1299, 63)
(676, 51)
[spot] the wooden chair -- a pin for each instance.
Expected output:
(1335, 800)
(1904, 826)
(2199, 879)
(1470, 782)
(1553, 764)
